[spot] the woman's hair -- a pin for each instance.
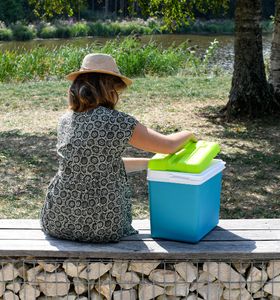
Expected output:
(90, 90)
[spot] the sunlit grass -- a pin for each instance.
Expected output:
(133, 59)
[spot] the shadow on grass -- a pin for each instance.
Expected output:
(250, 182)
(252, 153)
(30, 161)
(28, 149)
(138, 185)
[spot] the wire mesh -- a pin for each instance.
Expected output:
(69, 278)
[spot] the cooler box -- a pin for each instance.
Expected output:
(185, 206)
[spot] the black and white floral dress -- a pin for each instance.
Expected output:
(89, 199)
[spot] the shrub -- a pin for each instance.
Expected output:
(6, 34)
(116, 28)
(100, 29)
(47, 32)
(79, 29)
(63, 31)
(213, 26)
(22, 32)
(135, 28)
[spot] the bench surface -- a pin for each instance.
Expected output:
(231, 239)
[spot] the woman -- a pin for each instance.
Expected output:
(88, 198)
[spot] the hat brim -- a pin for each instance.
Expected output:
(74, 75)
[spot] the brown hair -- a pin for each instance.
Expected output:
(90, 90)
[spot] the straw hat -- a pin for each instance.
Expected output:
(99, 63)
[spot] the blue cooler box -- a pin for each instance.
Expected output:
(185, 206)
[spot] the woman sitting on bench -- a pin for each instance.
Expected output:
(88, 198)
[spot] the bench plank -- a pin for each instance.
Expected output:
(215, 235)
(230, 224)
(143, 249)
(232, 239)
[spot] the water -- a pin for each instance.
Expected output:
(200, 43)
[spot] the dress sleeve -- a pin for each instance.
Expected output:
(126, 124)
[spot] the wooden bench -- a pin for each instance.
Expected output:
(236, 239)
(251, 242)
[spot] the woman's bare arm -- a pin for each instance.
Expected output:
(135, 164)
(149, 140)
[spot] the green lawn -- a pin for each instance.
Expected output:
(28, 118)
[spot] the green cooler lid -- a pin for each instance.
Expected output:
(194, 157)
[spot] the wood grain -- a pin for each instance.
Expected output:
(143, 249)
(232, 239)
(230, 224)
(215, 235)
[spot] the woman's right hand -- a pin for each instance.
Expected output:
(149, 140)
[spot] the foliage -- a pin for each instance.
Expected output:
(14, 10)
(63, 31)
(133, 58)
(118, 28)
(11, 10)
(210, 52)
(179, 12)
(22, 32)
(210, 27)
(6, 34)
(79, 29)
(60, 30)
(46, 9)
(67, 29)
(47, 32)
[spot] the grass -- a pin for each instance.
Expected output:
(133, 58)
(28, 119)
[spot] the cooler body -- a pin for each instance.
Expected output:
(184, 210)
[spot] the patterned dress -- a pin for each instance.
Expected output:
(88, 199)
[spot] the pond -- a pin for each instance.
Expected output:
(200, 42)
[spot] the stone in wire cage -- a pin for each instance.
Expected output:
(73, 279)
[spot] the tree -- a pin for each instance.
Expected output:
(179, 12)
(11, 11)
(250, 94)
(47, 9)
(274, 76)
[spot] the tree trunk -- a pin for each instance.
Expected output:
(122, 8)
(116, 7)
(274, 76)
(132, 13)
(79, 10)
(136, 8)
(250, 95)
(106, 7)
